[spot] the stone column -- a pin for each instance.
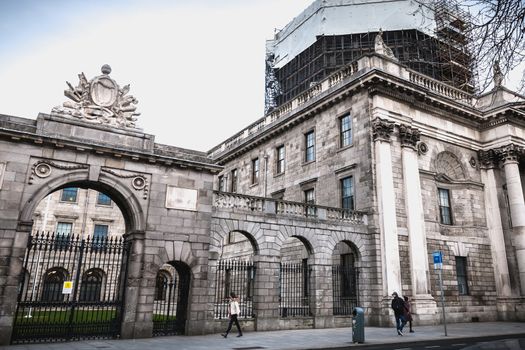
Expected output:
(131, 326)
(505, 304)
(12, 264)
(423, 304)
(321, 295)
(266, 293)
(510, 156)
(382, 129)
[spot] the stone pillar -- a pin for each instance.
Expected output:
(13, 265)
(510, 156)
(132, 327)
(382, 129)
(423, 304)
(266, 293)
(505, 303)
(321, 295)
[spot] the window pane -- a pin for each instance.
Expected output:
(69, 194)
(280, 159)
(64, 229)
(309, 198)
(222, 184)
(103, 199)
(234, 181)
(346, 131)
(100, 231)
(310, 146)
(347, 193)
(461, 273)
(255, 171)
(444, 206)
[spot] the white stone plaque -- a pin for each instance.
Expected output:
(181, 198)
(2, 171)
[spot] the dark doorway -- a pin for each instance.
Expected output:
(170, 307)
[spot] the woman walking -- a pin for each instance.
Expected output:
(233, 312)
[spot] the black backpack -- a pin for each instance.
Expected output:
(398, 304)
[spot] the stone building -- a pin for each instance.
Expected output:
(336, 198)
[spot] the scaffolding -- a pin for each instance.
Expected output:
(445, 56)
(453, 28)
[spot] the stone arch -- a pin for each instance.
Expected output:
(121, 194)
(305, 235)
(353, 239)
(448, 164)
(251, 230)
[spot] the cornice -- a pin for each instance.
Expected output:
(116, 152)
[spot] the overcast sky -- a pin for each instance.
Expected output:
(195, 66)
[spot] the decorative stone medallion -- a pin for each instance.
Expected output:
(100, 100)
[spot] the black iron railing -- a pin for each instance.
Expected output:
(233, 276)
(294, 290)
(345, 286)
(70, 288)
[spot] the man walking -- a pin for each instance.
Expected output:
(398, 305)
(233, 312)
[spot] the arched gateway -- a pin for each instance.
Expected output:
(92, 286)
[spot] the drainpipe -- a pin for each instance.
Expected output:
(265, 175)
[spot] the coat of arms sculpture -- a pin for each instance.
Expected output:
(100, 101)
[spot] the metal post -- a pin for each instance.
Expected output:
(442, 302)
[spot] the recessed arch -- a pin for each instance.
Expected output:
(448, 164)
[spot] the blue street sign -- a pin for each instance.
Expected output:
(438, 259)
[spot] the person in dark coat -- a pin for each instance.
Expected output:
(408, 313)
(398, 305)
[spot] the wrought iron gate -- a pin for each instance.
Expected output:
(170, 306)
(71, 288)
(238, 277)
(294, 289)
(345, 283)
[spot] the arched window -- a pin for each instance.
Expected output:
(91, 285)
(161, 285)
(53, 283)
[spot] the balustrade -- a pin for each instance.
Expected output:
(260, 204)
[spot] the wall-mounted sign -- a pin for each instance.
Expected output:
(181, 198)
(68, 287)
(438, 260)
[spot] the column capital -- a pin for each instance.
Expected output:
(510, 153)
(382, 129)
(488, 159)
(409, 136)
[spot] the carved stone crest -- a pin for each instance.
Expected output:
(100, 101)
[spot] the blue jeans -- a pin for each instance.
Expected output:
(400, 322)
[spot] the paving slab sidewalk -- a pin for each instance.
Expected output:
(288, 339)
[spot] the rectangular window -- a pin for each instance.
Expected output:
(103, 199)
(347, 193)
(345, 125)
(461, 273)
(222, 184)
(100, 231)
(64, 229)
(63, 236)
(255, 171)
(444, 206)
(280, 160)
(310, 146)
(234, 181)
(69, 195)
(309, 199)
